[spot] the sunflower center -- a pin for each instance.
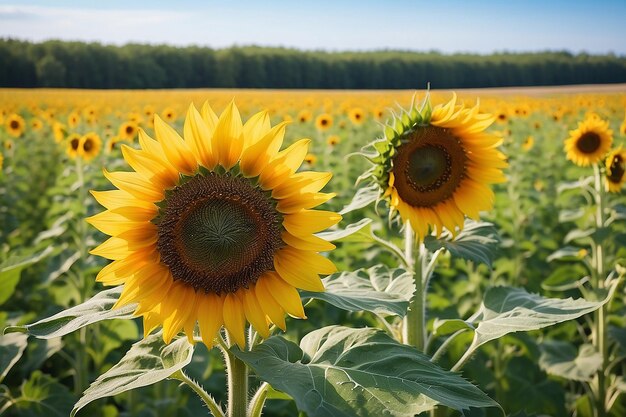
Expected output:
(218, 233)
(129, 129)
(88, 145)
(618, 169)
(14, 124)
(429, 167)
(589, 142)
(75, 142)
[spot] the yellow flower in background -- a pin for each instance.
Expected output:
(590, 142)
(15, 125)
(1, 161)
(310, 159)
(8, 144)
(90, 146)
(615, 170)
(73, 148)
(169, 114)
(59, 131)
(333, 140)
(323, 122)
(73, 119)
(36, 124)
(304, 116)
(128, 130)
(622, 127)
(438, 169)
(356, 116)
(528, 143)
(215, 227)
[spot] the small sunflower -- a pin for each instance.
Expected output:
(59, 131)
(216, 228)
(590, 142)
(73, 148)
(356, 116)
(333, 140)
(73, 119)
(36, 124)
(128, 130)
(1, 161)
(615, 170)
(15, 125)
(169, 114)
(90, 145)
(435, 166)
(323, 122)
(310, 159)
(528, 143)
(304, 116)
(622, 127)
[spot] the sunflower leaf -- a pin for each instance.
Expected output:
(11, 349)
(477, 242)
(362, 198)
(359, 232)
(95, 309)
(562, 359)
(378, 289)
(339, 372)
(507, 310)
(148, 361)
(11, 270)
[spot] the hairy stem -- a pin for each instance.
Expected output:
(414, 332)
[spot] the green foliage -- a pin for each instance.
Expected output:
(92, 65)
(339, 371)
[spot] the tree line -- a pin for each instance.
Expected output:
(93, 65)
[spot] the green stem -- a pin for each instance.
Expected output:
(600, 339)
(237, 387)
(82, 361)
(210, 402)
(415, 321)
(258, 401)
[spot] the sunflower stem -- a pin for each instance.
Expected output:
(258, 401)
(210, 402)
(600, 336)
(414, 332)
(237, 372)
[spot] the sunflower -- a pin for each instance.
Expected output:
(528, 143)
(59, 131)
(128, 130)
(304, 116)
(310, 159)
(1, 161)
(8, 144)
(113, 143)
(615, 170)
(333, 140)
(216, 228)
(590, 142)
(323, 122)
(434, 166)
(73, 148)
(15, 125)
(36, 124)
(622, 127)
(169, 114)
(73, 119)
(356, 116)
(90, 145)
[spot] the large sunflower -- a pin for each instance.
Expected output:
(590, 142)
(216, 228)
(435, 166)
(615, 170)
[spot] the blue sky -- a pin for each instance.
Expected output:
(448, 25)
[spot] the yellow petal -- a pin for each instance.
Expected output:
(292, 271)
(256, 156)
(296, 203)
(176, 307)
(256, 127)
(270, 306)
(311, 242)
(227, 139)
(150, 167)
(119, 271)
(284, 164)
(302, 183)
(198, 138)
(254, 312)
(306, 222)
(284, 294)
(113, 224)
(210, 317)
(175, 148)
(135, 184)
(235, 319)
(114, 199)
(209, 116)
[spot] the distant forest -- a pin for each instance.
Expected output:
(93, 65)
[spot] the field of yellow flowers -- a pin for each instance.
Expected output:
(440, 296)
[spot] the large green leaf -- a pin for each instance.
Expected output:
(359, 232)
(11, 349)
(363, 197)
(377, 289)
(42, 395)
(147, 362)
(95, 309)
(506, 310)
(339, 372)
(11, 270)
(561, 358)
(477, 242)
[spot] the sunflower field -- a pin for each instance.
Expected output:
(239, 253)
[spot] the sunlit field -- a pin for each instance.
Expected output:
(525, 302)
